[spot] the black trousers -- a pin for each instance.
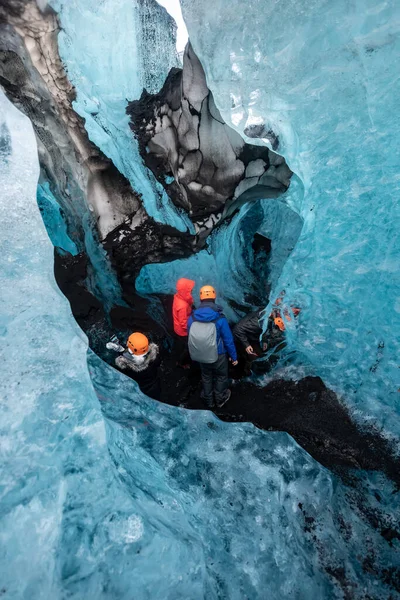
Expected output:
(181, 349)
(215, 380)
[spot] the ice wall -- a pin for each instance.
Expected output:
(323, 76)
(56, 483)
(131, 46)
(144, 500)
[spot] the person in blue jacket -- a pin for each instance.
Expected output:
(215, 375)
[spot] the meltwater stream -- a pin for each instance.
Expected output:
(106, 494)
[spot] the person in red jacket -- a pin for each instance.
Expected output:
(181, 311)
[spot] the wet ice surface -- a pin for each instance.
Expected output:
(145, 501)
(56, 482)
(323, 76)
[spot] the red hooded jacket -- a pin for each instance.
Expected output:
(182, 306)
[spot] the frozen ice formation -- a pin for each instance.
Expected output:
(92, 194)
(90, 165)
(139, 499)
(323, 77)
(183, 137)
(104, 493)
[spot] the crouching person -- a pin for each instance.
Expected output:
(247, 333)
(210, 340)
(142, 360)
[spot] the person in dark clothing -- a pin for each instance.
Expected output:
(248, 332)
(214, 373)
(252, 343)
(141, 360)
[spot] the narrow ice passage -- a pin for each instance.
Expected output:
(104, 493)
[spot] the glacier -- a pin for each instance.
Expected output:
(322, 76)
(105, 493)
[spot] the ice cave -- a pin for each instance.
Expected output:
(250, 146)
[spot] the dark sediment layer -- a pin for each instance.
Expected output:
(306, 409)
(204, 165)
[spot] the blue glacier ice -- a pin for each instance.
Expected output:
(225, 261)
(53, 220)
(330, 102)
(107, 494)
(131, 46)
(323, 77)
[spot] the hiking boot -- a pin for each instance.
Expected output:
(210, 404)
(221, 403)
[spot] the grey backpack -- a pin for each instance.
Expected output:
(203, 344)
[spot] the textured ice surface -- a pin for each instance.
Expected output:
(144, 501)
(131, 46)
(324, 77)
(53, 220)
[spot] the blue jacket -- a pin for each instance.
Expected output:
(208, 311)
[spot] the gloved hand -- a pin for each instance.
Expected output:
(119, 361)
(115, 347)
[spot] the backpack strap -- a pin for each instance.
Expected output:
(218, 334)
(214, 321)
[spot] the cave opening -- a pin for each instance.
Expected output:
(243, 258)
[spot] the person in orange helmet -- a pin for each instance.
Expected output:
(210, 344)
(276, 327)
(141, 360)
(181, 311)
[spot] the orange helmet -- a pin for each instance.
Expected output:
(279, 323)
(207, 291)
(138, 343)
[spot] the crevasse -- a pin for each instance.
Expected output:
(147, 499)
(143, 500)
